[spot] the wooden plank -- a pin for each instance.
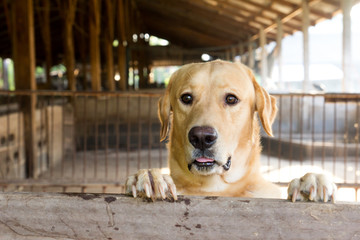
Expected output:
(100, 216)
(24, 63)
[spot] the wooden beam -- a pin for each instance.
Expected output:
(95, 61)
(102, 216)
(347, 85)
(109, 38)
(306, 54)
(287, 18)
(24, 64)
(194, 18)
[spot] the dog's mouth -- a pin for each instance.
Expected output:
(204, 164)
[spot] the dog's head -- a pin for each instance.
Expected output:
(210, 107)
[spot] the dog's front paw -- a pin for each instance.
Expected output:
(312, 187)
(152, 184)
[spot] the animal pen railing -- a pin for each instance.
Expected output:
(91, 142)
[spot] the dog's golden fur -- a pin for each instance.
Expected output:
(236, 125)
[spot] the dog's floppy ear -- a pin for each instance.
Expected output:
(265, 105)
(164, 114)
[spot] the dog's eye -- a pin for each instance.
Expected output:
(231, 99)
(186, 98)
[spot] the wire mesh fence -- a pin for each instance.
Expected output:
(91, 141)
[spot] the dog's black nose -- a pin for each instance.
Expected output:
(202, 137)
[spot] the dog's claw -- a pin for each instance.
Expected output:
(151, 184)
(294, 196)
(134, 191)
(147, 190)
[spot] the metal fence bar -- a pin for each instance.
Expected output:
(323, 135)
(52, 137)
(139, 133)
(279, 133)
(85, 131)
(96, 139)
(149, 132)
(106, 137)
(345, 137)
(335, 151)
(128, 137)
(73, 134)
(117, 140)
(312, 129)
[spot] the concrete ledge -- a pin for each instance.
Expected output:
(101, 216)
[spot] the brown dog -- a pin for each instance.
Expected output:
(209, 112)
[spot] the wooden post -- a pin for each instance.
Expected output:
(122, 47)
(227, 55)
(109, 38)
(264, 64)
(94, 20)
(83, 45)
(305, 29)
(24, 64)
(279, 37)
(241, 52)
(233, 53)
(44, 20)
(251, 55)
(67, 11)
(347, 84)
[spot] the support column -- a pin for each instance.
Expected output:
(251, 55)
(44, 17)
(122, 47)
(67, 11)
(347, 84)
(279, 37)
(305, 29)
(109, 38)
(94, 15)
(24, 63)
(241, 52)
(227, 55)
(233, 54)
(264, 64)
